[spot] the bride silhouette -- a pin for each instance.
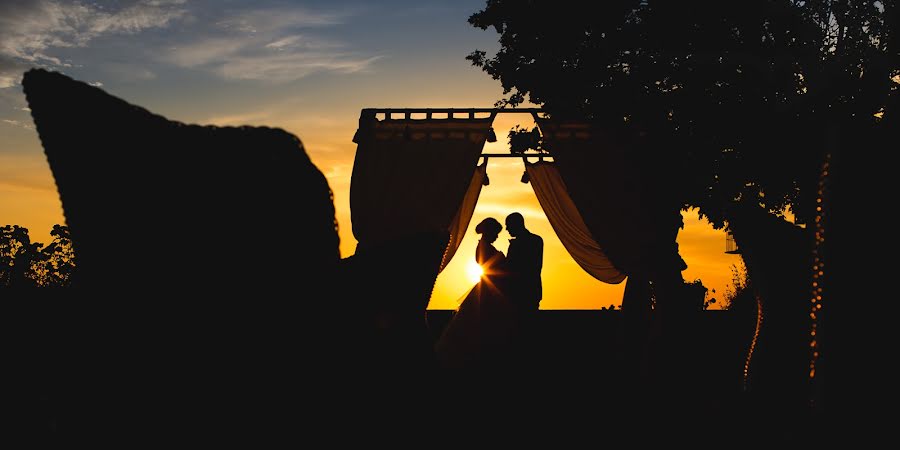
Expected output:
(480, 333)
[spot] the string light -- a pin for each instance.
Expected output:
(759, 321)
(817, 292)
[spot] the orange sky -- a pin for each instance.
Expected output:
(183, 64)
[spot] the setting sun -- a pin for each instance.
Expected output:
(474, 271)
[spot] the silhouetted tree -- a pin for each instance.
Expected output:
(747, 96)
(57, 261)
(743, 102)
(26, 264)
(17, 254)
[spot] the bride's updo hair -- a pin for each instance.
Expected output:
(489, 226)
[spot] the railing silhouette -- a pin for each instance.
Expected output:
(451, 113)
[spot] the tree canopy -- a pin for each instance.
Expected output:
(746, 95)
(30, 264)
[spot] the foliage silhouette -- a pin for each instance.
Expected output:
(26, 264)
(746, 96)
(743, 103)
(699, 294)
(523, 139)
(739, 293)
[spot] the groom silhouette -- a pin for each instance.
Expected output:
(525, 258)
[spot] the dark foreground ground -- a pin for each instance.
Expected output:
(595, 341)
(579, 376)
(583, 372)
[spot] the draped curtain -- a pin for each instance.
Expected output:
(416, 176)
(460, 222)
(568, 224)
(601, 184)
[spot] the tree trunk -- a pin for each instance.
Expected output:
(778, 256)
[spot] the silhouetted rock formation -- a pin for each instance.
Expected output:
(213, 313)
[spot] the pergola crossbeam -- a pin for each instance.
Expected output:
(516, 155)
(368, 114)
(451, 112)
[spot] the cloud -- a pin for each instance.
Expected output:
(270, 45)
(18, 123)
(276, 44)
(256, 117)
(11, 70)
(284, 42)
(289, 67)
(138, 17)
(25, 171)
(30, 31)
(10, 78)
(337, 174)
(126, 71)
(267, 21)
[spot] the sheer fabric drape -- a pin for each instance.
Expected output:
(413, 176)
(602, 184)
(568, 224)
(463, 217)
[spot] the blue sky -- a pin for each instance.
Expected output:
(158, 49)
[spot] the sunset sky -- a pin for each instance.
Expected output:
(307, 67)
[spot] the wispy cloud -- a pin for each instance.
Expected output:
(30, 31)
(11, 70)
(24, 172)
(275, 20)
(275, 44)
(18, 123)
(293, 66)
(256, 117)
(270, 45)
(126, 71)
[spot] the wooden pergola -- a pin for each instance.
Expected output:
(451, 113)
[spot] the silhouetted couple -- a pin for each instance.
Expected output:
(491, 323)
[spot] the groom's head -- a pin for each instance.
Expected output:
(515, 224)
